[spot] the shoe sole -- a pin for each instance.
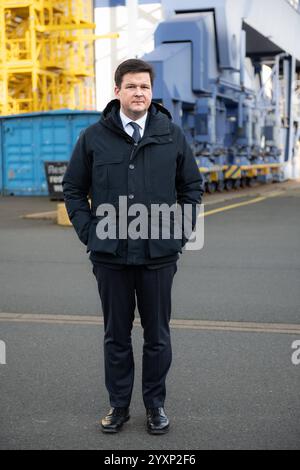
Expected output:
(158, 431)
(115, 430)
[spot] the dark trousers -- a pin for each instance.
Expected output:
(119, 290)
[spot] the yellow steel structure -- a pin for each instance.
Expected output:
(46, 55)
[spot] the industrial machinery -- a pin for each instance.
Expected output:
(46, 55)
(231, 88)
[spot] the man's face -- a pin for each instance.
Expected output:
(135, 94)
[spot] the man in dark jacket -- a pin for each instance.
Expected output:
(133, 155)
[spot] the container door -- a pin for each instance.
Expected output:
(18, 157)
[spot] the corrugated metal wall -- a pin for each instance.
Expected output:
(28, 140)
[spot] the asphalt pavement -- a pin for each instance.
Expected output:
(236, 315)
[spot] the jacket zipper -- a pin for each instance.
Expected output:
(133, 150)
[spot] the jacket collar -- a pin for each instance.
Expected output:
(158, 120)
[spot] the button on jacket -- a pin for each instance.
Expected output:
(107, 163)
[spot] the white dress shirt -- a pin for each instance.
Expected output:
(128, 128)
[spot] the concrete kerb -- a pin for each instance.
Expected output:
(61, 216)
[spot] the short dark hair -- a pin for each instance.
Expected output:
(133, 66)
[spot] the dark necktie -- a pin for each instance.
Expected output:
(136, 134)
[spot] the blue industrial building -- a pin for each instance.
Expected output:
(209, 58)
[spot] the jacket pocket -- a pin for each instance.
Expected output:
(99, 244)
(109, 173)
(162, 248)
(165, 236)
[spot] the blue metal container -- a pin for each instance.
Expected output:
(28, 140)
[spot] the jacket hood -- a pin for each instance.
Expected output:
(114, 105)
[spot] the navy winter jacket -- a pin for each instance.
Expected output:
(105, 164)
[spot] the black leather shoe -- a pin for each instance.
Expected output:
(157, 421)
(115, 419)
